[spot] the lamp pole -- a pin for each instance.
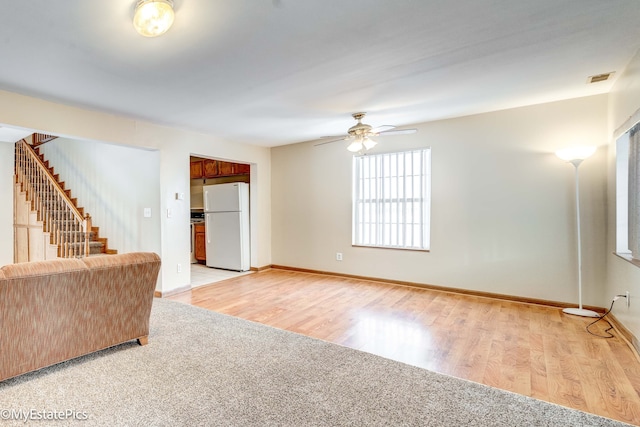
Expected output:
(576, 158)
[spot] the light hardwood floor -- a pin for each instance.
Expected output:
(529, 349)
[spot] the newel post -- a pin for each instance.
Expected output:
(87, 233)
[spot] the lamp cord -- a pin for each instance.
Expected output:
(609, 334)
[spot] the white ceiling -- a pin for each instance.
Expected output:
(273, 72)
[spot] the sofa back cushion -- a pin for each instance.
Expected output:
(42, 268)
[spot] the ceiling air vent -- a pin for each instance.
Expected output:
(599, 77)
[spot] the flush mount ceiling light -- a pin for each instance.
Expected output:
(153, 17)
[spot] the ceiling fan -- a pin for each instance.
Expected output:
(360, 134)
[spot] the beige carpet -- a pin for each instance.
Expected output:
(206, 369)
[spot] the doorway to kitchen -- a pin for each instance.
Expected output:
(205, 173)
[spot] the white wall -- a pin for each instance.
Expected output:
(621, 275)
(503, 213)
(6, 214)
(503, 217)
(114, 183)
(174, 146)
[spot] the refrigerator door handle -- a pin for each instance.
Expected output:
(206, 200)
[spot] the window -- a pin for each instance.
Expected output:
(391, 200)
(627, 191)
(622, 195)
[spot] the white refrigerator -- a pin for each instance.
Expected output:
(226, 215)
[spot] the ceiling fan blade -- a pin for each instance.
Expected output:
(334, 136)
(383, 128)
(397, 132)
(329, 142)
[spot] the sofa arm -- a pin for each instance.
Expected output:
(126, 283)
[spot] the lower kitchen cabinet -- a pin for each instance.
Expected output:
(200, 243)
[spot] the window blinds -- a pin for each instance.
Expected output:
(634, 192)
(391, 200)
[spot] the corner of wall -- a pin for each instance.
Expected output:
(6, 215)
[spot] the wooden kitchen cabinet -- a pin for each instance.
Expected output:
(242, 169)
(211, 168)
(229, 169)
(196, 169)
(225, 169)
(200, 242)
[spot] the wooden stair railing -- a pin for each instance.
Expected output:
(69, 228)
(40, 138)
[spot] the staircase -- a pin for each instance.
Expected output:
(65, 229)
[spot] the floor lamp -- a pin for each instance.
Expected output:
(575, 156)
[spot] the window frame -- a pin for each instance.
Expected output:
(382, 225)
(622, 195)
(623, 170)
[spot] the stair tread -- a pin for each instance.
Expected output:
(64, 221)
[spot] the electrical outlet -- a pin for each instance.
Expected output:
(179, 268)
(338, 256)
(628, 299)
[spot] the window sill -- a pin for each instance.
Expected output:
(628, 258)
(397, 249)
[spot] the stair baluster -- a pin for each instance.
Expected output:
(69, 229)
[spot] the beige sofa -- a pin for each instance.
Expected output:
(52, 311)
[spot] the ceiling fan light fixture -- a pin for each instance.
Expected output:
(369, 143)
(358, 134)
(355, 146)
(153, 18)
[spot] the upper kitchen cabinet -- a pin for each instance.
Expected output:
(196, 169)
(209, 168)
(242, 169)
(226, 169)
(229, 169)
